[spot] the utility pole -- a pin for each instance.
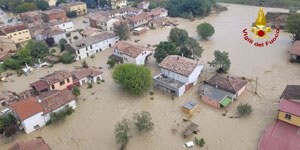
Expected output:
(256, 85)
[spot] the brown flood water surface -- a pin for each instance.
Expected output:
(91, 127)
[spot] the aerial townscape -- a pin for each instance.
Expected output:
(149, 75)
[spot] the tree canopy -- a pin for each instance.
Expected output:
(122, 130)
(26, 7)
(62, 43)
(42, 4)
(205, 30)
(191, 48)
(183, 8)
(143, 121)
(37, 49)
(164, 49)
(136, 79)
(293, 26)
(122, 30)
(221, 62)
(67, 58)
(178, 36)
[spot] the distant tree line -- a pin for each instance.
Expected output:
(20, 6)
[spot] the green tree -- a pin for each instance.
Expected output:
(111, 63)
(178, 36)
(122, 130)
(152, 5)
(56, 117)
(84, 64)
(293, 26)
(26, 7)
(90, 3)
(182, 8)
(143, 121)
(6, 120)
(164, 49)
(75, 91)
(72, 14)
(103, 3)
(38, 49)
(191, 48)
(11, 63)
(221, 62)
(136, 79)
(62, 42)
(42, 4)
(122, 30)
(67, 58)
(199, 142)
(24, 56)
(205, 30)
(244, 109)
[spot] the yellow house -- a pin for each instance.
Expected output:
(79, 7)
(52, 2)
(115, 4)
(19, 33)
(289, 111)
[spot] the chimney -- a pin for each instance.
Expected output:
(39, 100)
(217, 86)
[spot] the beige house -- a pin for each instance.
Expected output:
(18, 33)
(115, 4)
(102, 21)
(7, 48)
(79, 7)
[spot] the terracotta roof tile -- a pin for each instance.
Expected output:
(13, 28)
(81, 73)
(26, 108)
(229, 84)
(139, 17)
(54, 99)
(38, 144)
(130, 49)
(57, 76)
(179, 64)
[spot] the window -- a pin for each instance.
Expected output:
(288, 116)
(91, 47)
(61, 83)
(78, 52)
(53, 87)
(68, 80)
(86, 48)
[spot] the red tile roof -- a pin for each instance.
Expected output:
(40, 85)
(38, 144)
(13, 28)
(130, 49)
(229, 84)
(296, 48)
(26, 108)
(157, 11)
(81, 73)
(179, 64)
(280, 136)
(139, 17)
(57, 76)
(55, 99)
(290, 107)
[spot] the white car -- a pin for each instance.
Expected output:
(4, 111)
(188, 144)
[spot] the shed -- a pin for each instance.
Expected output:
(190, 107)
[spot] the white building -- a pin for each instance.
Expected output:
(65, 26)
(178, 74)
(86, 75)
(143, 5)
(34, 113)
(52, 32)
(91, 45)
(51, 3)
(128, 53)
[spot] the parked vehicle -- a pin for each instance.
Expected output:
(188, 144)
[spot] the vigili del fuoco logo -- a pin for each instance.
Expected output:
(260, 32)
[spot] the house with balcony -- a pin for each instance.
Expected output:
(91, 45)
(128, 53)
(58, 80)
(220, 91)
(177, 75)
(34, 112)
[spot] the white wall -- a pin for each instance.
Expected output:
(32, 121)
(100, 46)
(110, 24)
(58, 37)
(67, 26)
(140, 60)
(88, 80)
(195, 74)
(174, 75)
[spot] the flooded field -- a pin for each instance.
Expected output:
(92, 125)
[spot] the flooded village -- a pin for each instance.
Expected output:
(259, 76)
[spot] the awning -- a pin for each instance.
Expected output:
(226, 101)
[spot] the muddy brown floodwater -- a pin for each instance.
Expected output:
(92, 125)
